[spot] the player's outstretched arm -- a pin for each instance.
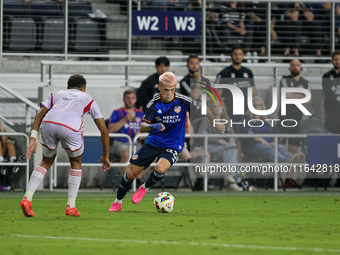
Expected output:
(32, 147)
(105, 143)
(145, 127)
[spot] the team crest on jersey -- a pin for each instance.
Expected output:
(180, 147)
(135, 156)
(245, 75)
(178, 109)
(138, 119)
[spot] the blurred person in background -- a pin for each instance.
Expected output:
(294, 80)
(148, 87)
(331, 90)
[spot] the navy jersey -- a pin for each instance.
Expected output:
(172, 115)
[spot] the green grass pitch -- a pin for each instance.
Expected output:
(217, 222)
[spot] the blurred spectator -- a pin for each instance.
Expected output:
(290, 26)
(264, 146)
(232, 19)
(294, 80)
(331, 89)
(168, 5)
(337, 19)
(149, 86)
(7, 150)
(257, 14)
(62, 1)
(224, 148)
(189, 81)
(311, 27)
(125, 120)
(213, 41)
(238, 75)
(322, 13)
(193, 5)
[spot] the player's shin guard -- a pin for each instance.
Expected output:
(74, 180)
(124, 186)
(154, 178)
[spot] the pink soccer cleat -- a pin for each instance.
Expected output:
(138, 196)
(115, 207)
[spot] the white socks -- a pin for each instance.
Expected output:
(119, 201)
(74, 179)
(36, 177)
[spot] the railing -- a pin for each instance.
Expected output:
(26, 164)
(49, 64)
(133, 149)
(54, 168)
(29, 106)
(130, 43)
(205, 147)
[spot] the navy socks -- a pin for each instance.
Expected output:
(124, 186)
(154, 178)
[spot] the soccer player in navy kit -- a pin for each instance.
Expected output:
(164, 119)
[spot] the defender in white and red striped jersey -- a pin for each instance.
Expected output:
(61, 115)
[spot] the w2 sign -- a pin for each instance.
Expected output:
(171, 23)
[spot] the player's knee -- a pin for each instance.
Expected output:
(133, 172)
(131, 175)
(161, 169)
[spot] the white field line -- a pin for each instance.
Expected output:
(241, 246)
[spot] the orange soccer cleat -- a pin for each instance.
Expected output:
(26, 207)
(72, 211)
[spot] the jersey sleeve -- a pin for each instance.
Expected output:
(95, 111)
(251, 77)
(189, 102)
(48, 103)
(149, 113)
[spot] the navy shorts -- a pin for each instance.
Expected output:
(147, 154)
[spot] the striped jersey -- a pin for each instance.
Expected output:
(131, 127)
(69, 107)
(172, 115)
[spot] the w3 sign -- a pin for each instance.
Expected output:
(172, 23)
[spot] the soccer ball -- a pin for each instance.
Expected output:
(164, 202)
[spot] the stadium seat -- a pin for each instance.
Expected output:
(50, 24)
(23, 34)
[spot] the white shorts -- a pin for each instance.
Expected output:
(52, 134)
